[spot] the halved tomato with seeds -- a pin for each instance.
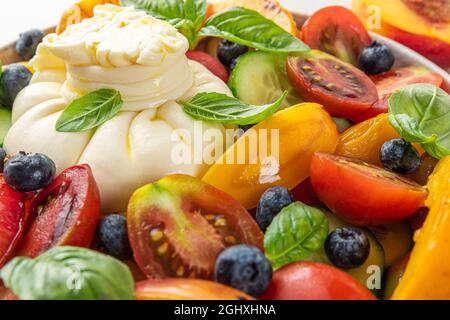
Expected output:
(341, 88)
(12, 219)
(178, 225)
(337, 31)
(65, 213)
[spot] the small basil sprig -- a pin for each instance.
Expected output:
(218, 107)
(421, 114)
(240, 25)
(295, 234)
(185, 15)
(69, 273)
(90, 111)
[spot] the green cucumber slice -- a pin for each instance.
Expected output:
(5, 123)
(261, 78)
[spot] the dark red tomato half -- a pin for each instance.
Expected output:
(210, 63)
(342, 89)
(12, 219)
(337, 31)
(394, 80)
(179, 225)
(65, 213)
(305, 193)
(314, 281)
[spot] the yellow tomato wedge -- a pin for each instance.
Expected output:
(427, 274)
(283, 157)
(271, 9)
(79, 11)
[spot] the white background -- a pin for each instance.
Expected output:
(20, 15)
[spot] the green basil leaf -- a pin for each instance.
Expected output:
(90, 111)
(421, 113)
(187, 15)
(218, 107)
(249, 28)
(295, 234)
(69, 273)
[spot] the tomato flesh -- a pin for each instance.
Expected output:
(210, 63)
(337, 31)
(12, 219)
(342, 89)
(363, 194)
(178, 225)
(314, 281)
(65, 213)
(394, 80)
(186, 289)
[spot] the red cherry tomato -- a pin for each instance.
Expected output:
(12, 219)
(65, 213)
(179, 225)
(394, 80)
(363, 194)
(305, 193)
(341, 88)
(337, 31)
(210, 63)
(314, 281)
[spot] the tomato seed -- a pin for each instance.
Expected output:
(156, 235)
(162, 249)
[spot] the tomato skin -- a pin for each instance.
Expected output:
(314, 281)
(389, 82)
(305, 193)
(13, 219)
(210, 63)
(321, 78)
(350, 34)
(185, 211)
(76, 205)
(362, 194)
(186, 289)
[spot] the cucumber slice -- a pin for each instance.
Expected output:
(260, 78)
(370, 273)
(5, 123)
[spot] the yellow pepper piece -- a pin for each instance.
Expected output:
(302, 130)
(79, 11)
(427, 274)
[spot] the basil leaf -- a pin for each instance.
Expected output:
(90, 111)
(295, 234)
(249, 28)
(421, 113)
(187, 15)
(218, 107)
(69, 273)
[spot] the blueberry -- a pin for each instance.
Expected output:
(233, 64)
(399, 156)
(244, 268)
(347, 248)
(29, 172)
(245, 128)
(229, 51)
(15, 77)
(28, 42)
(2, 158)
(113, 235)
(270, 204)
(376, 58)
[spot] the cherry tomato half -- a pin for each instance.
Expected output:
(363, 194)
(12, 219)
(341, 88)
(210, 63)
(389, 82)
(337, 31)
(178, 226)
(186, 289)
(314, 281)
(65, 213)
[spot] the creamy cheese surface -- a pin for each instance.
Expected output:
(143, 58)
